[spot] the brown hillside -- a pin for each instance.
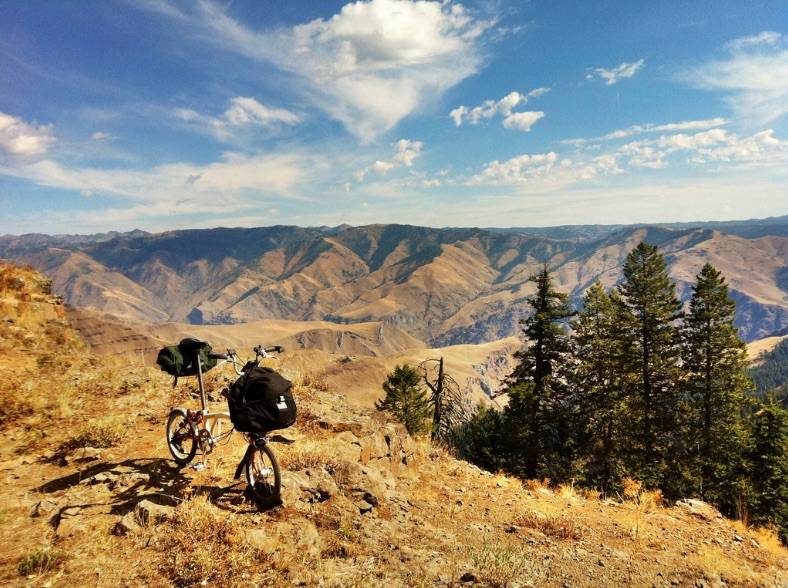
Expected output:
(443, 286)
(91, 497)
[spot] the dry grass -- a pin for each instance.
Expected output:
(536, 485)
(108, 432)
(308, 454)
(315, 381)
(203, 545)
(552, 525)
(500, 563)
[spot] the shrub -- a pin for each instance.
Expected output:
(40, 562)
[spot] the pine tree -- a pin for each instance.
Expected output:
(715, 360)
(538, 417)
(648, 297)
(406, 400)
(768, 465)
(600, 382)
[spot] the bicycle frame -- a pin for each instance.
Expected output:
(212, 420)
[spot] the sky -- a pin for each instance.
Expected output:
(169, 114)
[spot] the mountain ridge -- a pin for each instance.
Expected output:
(443, 286)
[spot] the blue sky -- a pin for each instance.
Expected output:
(161, 114)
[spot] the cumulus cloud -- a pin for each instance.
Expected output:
(522, 121)
(613, 75)
(630, 131)
(753, 75)
(243, 114)
(368, 66)
(551, 170)
(405, 153)
(545, 171)
(21, 139)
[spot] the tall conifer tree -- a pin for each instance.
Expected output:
(715, 360)
(648, 296)
(768, 466)
(538, 417)
(601, 382)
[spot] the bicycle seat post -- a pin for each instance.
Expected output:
(201, 383)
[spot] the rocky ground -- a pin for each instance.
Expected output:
(91, 497)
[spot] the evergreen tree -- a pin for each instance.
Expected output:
(406, 400)
(600, 383)
(715, 360)
(768, 464)
(648, 297)
(539, 414)
(481, 441)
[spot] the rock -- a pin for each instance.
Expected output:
(699, 509)
(311, 485)
(363, 506)
(126, 524)
(738, 538)
(84, 454)
(43, 508)
(148, 512)
(292, 539)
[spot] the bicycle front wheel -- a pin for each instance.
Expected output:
(262, 475)
(181, 440)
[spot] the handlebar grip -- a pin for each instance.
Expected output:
(275, 348)
(217, 355)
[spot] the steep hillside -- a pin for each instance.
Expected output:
(90, 497)
(354, 358)
(443, 286)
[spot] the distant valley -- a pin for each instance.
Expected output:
(437, 286)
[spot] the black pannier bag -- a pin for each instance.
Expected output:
(260, 401)
(181, 359)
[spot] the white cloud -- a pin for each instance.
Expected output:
(504, 107)
(550, 171)
(20, 139)
(368, 66)
(715, 145)
(522, 121)
(687, 125)
(101, 136)
(235, 176)
(753, 75)
(405, 153)
(244, 114)
(613, 75)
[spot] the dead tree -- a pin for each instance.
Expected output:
(451, 406)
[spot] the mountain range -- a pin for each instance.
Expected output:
(442, 286)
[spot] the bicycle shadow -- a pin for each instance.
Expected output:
(156, 479)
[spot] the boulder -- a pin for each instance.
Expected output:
(310, 485)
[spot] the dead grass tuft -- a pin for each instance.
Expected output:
(556, 526)
(535, 485)
(99, 434)
(499, 564)
(308, 454)
(315, 381)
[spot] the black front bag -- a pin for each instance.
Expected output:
(261, 401)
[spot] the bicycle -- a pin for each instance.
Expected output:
(191, 430)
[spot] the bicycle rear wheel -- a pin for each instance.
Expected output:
(262, 475)
(181, 440)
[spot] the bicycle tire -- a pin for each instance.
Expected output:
(179, 454)
(264, 481)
